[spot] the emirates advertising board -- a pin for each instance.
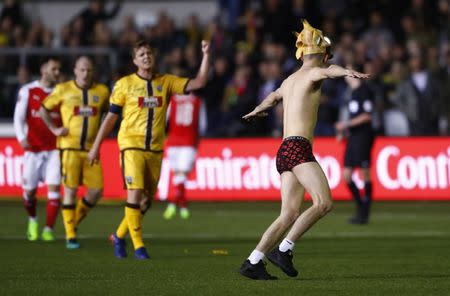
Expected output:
(244, 170)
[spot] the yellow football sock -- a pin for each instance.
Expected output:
(68, 213)
(122, 230)
(83, 207)
(134, 219)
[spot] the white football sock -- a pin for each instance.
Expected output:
(256, 256)
(286, 245)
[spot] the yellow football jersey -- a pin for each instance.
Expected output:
(144, 105)
(81, 111)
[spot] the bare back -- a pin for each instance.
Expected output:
(301, 99)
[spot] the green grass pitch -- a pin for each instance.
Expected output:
(404, 251)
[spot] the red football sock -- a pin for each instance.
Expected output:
(52, 212)
(181, 196)
(30, 207)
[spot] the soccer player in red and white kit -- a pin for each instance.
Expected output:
(187, 118)
(41, 159)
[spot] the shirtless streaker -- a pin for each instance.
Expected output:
(300, 94)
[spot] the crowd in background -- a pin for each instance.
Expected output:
(403, 44)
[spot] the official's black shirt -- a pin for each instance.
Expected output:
(361, 102)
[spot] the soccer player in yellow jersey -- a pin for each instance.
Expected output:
(81, 103)
(142, 98)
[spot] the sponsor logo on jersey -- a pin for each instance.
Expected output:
(36, 97)
(129, 179)
(96, 99)
(85, 111)
(159, 87)
(150, 102)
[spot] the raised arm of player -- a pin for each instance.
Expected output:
(57, 131)
(335, 71)
(105, 129)
(202, 76)
(269, 102)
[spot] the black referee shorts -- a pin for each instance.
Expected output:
(358, 151)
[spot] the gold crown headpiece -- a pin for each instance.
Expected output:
(310, 41)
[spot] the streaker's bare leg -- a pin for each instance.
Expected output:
(315, 182)
(292, 193)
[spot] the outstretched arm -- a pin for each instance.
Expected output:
(335, 71)
(202, 77)
(105, 129)
(269, 102)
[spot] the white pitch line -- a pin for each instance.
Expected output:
(199, 236)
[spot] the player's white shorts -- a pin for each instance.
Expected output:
(42, 166)
(181, 158)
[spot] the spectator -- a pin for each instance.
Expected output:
(249, 29)
(6, 27)
(238, 98)
(193, 30)
(443, 19)
(35, 34)
(276, 24)
(270, 73)
(414, 31)
(377, 35)
(12, 9)
(18, 37)
(217, 36)
(166, 35)
(229, 12)
(214, 93)
(445, 80)
(191, 55)
(175, 62)
(9, 99)
(94, 13)
(418, 97)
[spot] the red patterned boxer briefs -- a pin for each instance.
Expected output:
(294, 151)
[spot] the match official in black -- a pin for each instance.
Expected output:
(360, 134)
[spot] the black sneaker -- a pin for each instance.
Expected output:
(256, 271)
(357, 220)
(283, 260)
